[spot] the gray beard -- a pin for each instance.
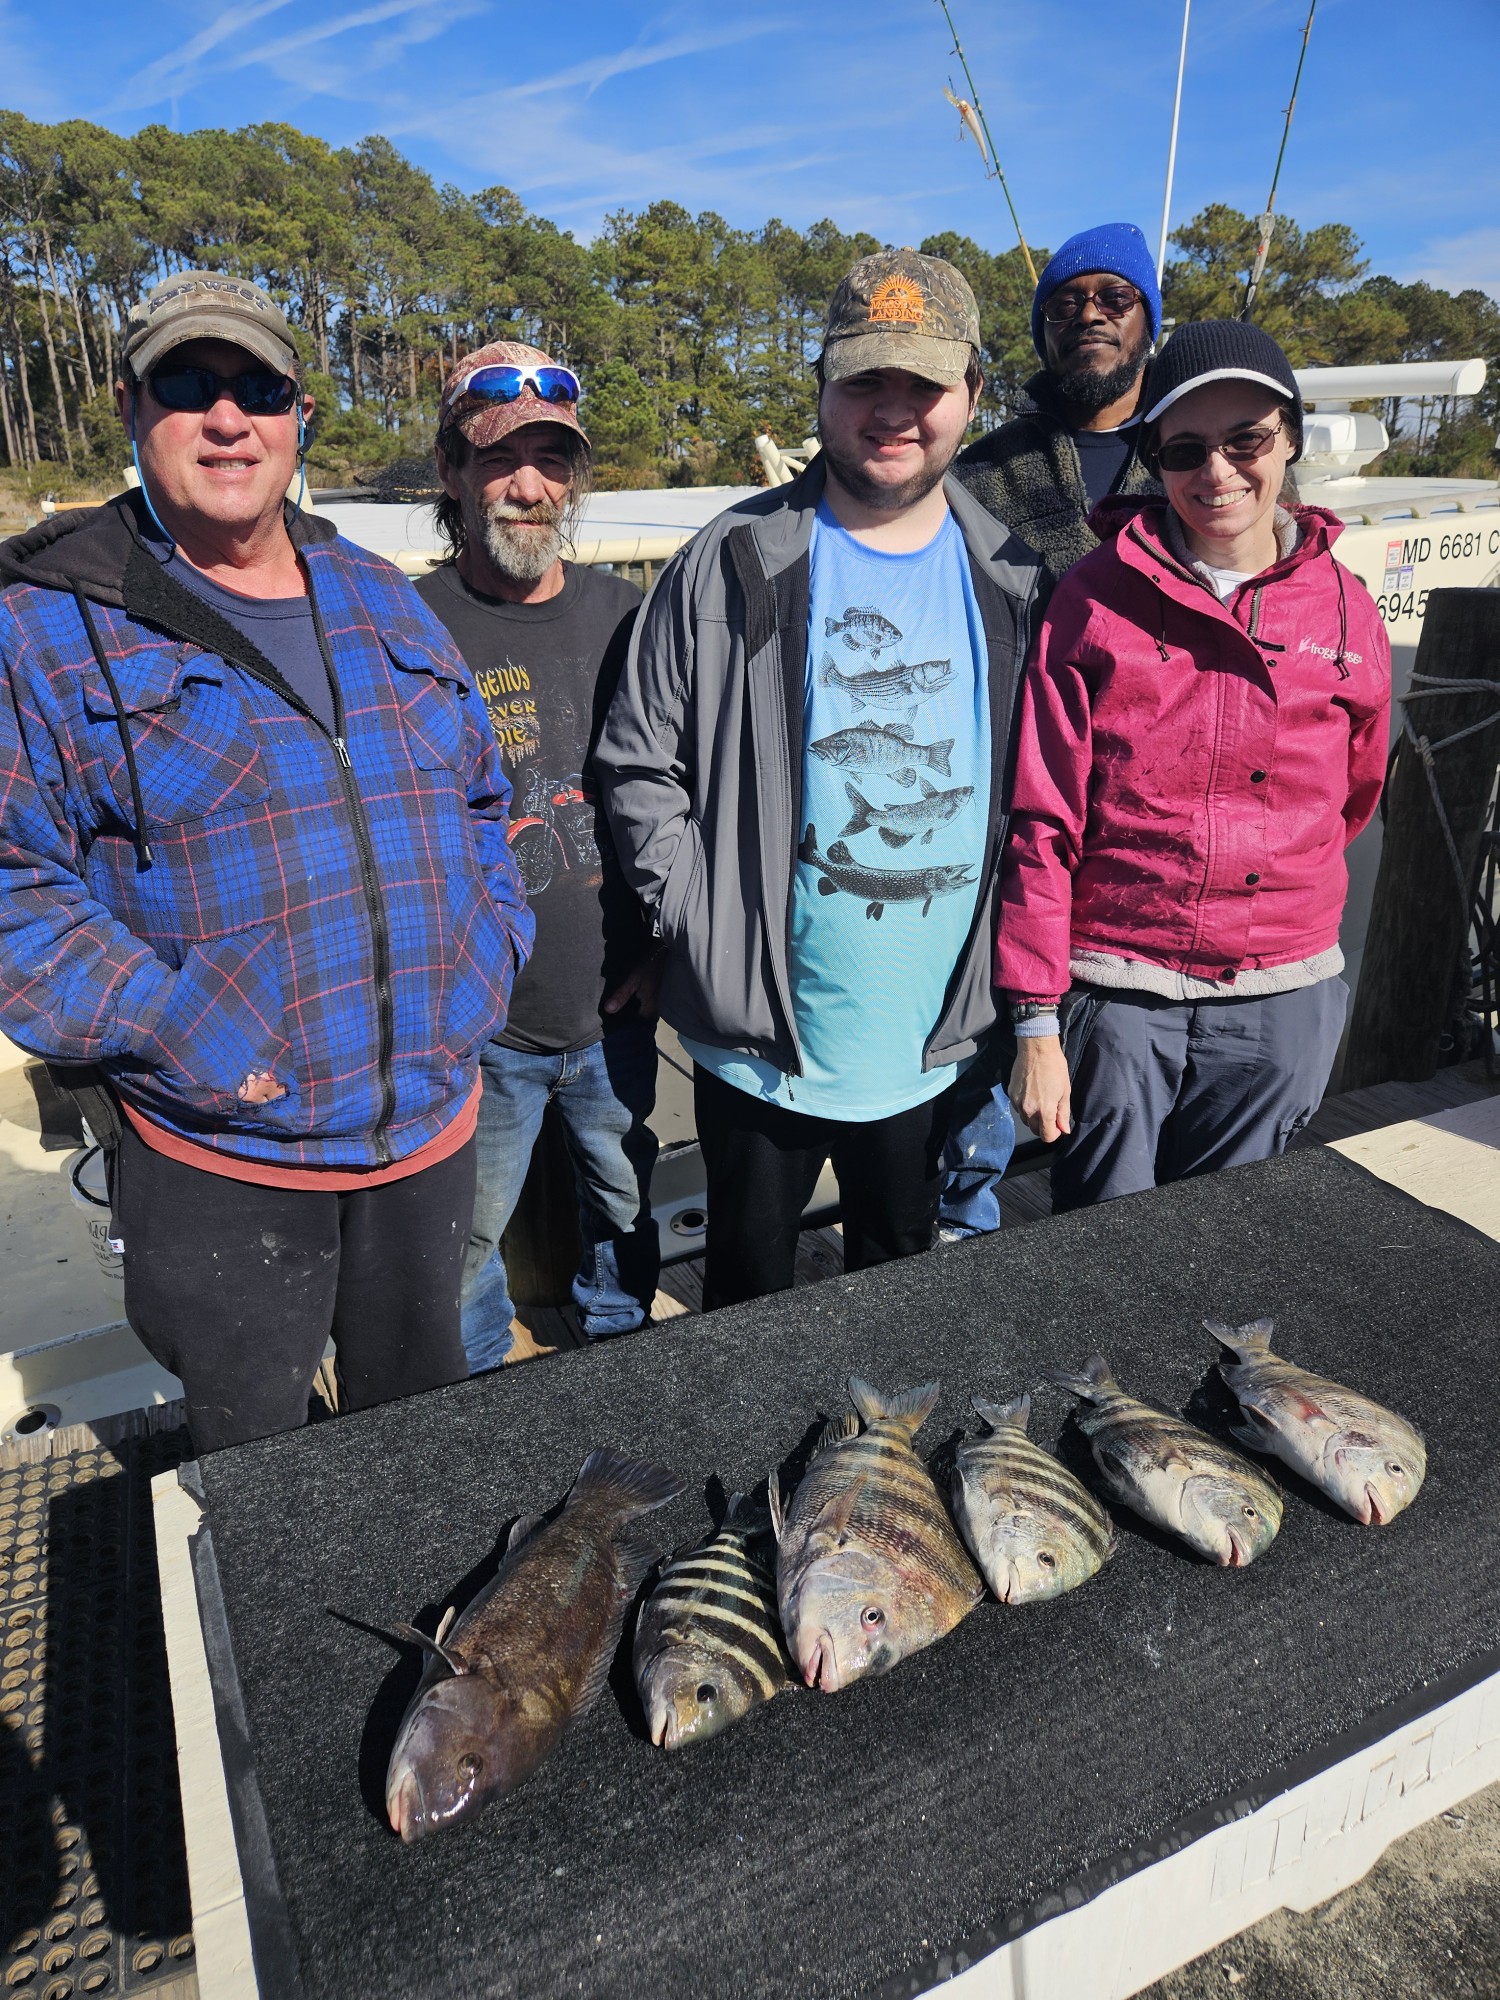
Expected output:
(870, 493)
(524, 554)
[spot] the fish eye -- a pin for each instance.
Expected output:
(1250, 1513)
(872, 1616)
(707, 1692)
(1395, 1466)
(1046, 1559)
(470, 1765)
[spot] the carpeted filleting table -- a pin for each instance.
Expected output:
(875, 1840)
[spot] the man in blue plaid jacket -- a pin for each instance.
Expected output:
(254, 872)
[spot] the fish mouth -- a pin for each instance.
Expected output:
(405, 1809)
(1241, 1552)
(820, 1665)
(1370, 1513)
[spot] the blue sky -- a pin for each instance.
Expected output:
(797, 110)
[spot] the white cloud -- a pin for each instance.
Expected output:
(172, 75)
(1460, 263)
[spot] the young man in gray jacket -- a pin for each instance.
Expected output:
(805, 769)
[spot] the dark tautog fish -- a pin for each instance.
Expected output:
(1032, 1529)
(1360, 1454)
(897, 686)
(883, 746)
(708, 1641)
(868, 1568)
(531, 1653)
(1171, 1473)
(879, 886)
(863, 629)
(900, 823)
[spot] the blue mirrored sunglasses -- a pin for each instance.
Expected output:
(505, 381)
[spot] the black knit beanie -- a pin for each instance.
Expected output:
(1217, 350)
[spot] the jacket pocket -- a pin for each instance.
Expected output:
(193, 742)
(479, 973)
(682, 891)
(224, 1027)
(432, 694)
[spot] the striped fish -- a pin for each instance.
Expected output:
(1031, 1527)
(1362, 1455)
(708, 1642)
(1171, 1473)
(868, 1567)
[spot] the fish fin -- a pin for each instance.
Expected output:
(809, 848)
(1246, 1343)
(902, 729)
(410, 1635)
(445, 1623)
(838, 1512)
(875, 910)
(929, 790)
(910, 1408)
(827, 888)
(525, 1527)
(1086, 1381)
(905, 776)
(863, 811)
(638, 1484)
(937, 756)
(778, 1505)
(1004, 1416)
(836, 1430)
(927, 906)
(1246, 1432)
(892, 839)
(839, 853)
(927, 836)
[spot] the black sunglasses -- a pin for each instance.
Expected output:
(1114, 301)
(1186, 454)
(258, 392)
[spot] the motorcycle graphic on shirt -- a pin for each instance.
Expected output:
(553, 829)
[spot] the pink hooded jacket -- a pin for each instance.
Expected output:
(1189, 773)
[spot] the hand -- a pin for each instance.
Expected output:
(643, 983)
(1040, 1087)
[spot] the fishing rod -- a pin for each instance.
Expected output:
(1166, 204)
(1268, 220)
(971, 111)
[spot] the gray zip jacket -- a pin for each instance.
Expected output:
(700, 765)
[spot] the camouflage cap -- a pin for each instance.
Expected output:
(899, 309)
(483, 422)
(208, 305)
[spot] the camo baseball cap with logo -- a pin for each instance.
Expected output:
(207, 305)
(899, 309)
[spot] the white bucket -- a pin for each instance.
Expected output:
(86, 1184)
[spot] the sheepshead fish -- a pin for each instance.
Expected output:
(896, 686)
(879, 886)
(1360, 1454)
(862, 629)
(883, 746)
(1031, 1527)
(903, 822)
(1171, 1473)
(708, 1641)
(868, 1568)
(531, 1653)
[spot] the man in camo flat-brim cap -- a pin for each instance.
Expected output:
(802, 770)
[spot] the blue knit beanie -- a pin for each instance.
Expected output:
(1113, 246)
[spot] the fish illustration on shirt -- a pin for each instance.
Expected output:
(883, 746)
(904, 821)
(879, 886)
(862, 629)
(898, 686)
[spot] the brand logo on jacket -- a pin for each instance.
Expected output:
(1332, 653)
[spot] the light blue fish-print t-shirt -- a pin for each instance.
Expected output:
(895, 804)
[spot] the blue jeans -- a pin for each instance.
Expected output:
(605, 1094)
(981, 1139)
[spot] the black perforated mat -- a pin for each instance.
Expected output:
(875, 1840)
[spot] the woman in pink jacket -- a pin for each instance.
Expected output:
(1203, 733)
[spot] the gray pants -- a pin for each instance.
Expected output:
(1170, 1088)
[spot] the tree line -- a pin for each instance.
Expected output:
(690, 336)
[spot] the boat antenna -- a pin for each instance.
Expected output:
(1268, 220)
(971, 112)
(1166, 201)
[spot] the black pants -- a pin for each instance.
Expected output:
(236, 1288)
(762, 1164)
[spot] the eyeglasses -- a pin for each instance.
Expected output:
(1186, 454)
(505, 382)
(258, 392)
(1114, 301)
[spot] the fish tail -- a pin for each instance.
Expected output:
(827, 669)
(1003, 1416)
(937, 756)
(1091, 1380)
(830, 626)
(1246, 1343)
(635, 1482)
(911, 1408)
(747, 1516)
(862, 815)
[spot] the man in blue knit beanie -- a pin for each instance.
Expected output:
(1096, 313)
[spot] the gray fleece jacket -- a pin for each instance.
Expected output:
(699, 763)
